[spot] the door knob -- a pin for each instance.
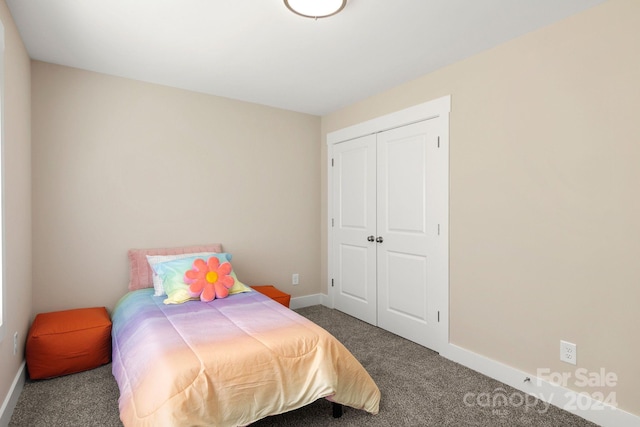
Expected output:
(371, 238)
(379, 239)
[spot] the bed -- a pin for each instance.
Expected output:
(227, 362)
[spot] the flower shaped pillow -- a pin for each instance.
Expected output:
(209, 280)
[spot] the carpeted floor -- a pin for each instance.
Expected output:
(419, 388)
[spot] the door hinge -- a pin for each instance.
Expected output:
(438, 229)
(332, 162)
(438, 316)
(332, 283)
(438, 142)
(332, 222)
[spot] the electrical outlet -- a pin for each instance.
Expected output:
(568, 352)
(295, 279)
(15, 343)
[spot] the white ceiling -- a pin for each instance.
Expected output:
(258, 51)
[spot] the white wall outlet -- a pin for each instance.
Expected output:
(295, 279)
(15, 343)
(568, 352)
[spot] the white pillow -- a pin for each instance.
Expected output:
(156, 259)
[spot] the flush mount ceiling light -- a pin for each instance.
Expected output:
(315, 8)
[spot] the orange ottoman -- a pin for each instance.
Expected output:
(274, 294)
(65, 342)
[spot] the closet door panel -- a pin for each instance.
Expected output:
(404, 182)
(354, 273)
(354, 226)
(405, 229)
(410, 272)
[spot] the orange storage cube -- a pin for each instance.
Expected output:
(65, 342)
(274, 294)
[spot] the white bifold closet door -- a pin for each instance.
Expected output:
(386, 232)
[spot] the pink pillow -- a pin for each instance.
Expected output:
(140, 273)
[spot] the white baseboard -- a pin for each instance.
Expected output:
(326, 301)
(305, 301)
(579, 404)
(11, 399)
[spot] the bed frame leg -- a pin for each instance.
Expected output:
(337, 409)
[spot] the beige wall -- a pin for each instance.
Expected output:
(121, 164)
(544, 207)
(17, 199)
(544, 195)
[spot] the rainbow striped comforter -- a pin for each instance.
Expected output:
(229, 362)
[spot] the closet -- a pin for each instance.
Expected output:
(388, 230)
